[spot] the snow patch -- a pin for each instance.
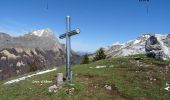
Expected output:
(167, 87)
(101, 66)
(146, 36)
(38, 33)
(43, 32)
(117, 43)
(136, 41)
(28, 76)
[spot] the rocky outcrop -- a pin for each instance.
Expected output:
(33, 51)
(158, 46)
(153, 48)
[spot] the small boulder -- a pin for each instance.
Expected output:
(69, 91)
(108, 87)
(53, 88)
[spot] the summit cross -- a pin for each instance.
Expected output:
(68, 35)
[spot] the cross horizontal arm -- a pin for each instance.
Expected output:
(62, 36)
(71, 33)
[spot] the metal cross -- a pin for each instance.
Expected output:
(67, 35)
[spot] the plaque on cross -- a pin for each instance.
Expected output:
(67, 35)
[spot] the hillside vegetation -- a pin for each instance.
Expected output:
(131, 78)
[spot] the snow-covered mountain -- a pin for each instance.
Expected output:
(139, 46)
(136, 46)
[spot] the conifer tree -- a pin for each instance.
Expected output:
(85, 59)
(100, 55)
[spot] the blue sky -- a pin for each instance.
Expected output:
(102, 22)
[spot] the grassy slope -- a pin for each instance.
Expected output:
(130, 79)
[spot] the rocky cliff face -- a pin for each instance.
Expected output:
(157, 45)
(34, 51)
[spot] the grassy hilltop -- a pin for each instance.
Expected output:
(131, 78)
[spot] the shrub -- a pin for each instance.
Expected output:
(100, 55)
(85, 59)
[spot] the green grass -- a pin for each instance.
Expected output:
(131, 79)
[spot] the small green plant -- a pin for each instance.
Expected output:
(85, 59)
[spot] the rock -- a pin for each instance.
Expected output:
(59, 79)
(153, 48)
(53, 88)
(108, 87)
(69, 91)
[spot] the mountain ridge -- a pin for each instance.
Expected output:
(33, 51)
(138, 46)
(160, 50)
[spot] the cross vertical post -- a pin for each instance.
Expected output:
(68, 69)
(68, 35)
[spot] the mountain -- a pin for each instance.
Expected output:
(33, 51)
(136, 46)
(41, 39)
(155, 44)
